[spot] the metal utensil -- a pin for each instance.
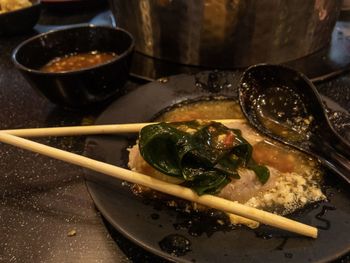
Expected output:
(283, 104)
(226, 33)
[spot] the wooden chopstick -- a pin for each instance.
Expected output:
(90, 130)
(171, 189)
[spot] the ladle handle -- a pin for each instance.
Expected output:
(334, 155)
(339, 165)
(340, 145)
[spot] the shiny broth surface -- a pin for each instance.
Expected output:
(205, 110)
(78, 61)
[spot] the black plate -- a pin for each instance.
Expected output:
(135, 219)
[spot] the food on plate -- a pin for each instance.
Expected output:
(232, 161)
(12, 5)
(204, 154)
(78, 61)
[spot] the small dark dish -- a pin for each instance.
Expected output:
(81, 88)
(21, 20)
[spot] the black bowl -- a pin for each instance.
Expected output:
(20, 20)
(80, 88)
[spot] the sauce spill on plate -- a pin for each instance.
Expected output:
(175, 244)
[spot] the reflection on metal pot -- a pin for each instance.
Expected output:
(228, 33)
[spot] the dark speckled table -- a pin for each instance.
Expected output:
(43, 201)
(46, 213)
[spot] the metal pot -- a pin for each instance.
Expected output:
(228, 33)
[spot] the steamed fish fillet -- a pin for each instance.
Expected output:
(248, 186)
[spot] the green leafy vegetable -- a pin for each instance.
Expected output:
(261, 171)
(205, 154)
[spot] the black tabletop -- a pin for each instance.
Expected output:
(46, 213)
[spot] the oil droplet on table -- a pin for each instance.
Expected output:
(163, 80)
(288, 255)
(155, 216)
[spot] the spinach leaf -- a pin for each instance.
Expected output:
(229, 165)
(261, 171)
(163, 147)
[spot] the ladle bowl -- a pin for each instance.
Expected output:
(283, 104)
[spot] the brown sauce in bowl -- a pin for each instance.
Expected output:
(78, 61)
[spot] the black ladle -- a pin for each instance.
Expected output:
(283, 104)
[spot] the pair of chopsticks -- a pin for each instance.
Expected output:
(11, 137)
